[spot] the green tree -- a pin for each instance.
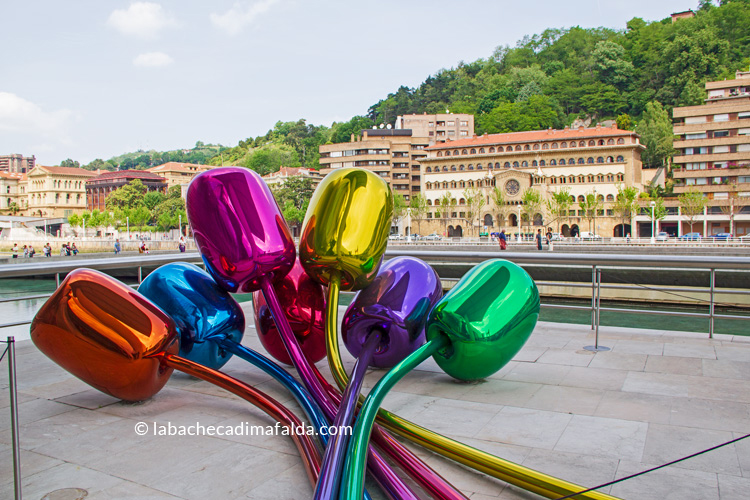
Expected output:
(692, 204)
(13, 208)
(655, 129)
(447, 203)
(70, 163)
(626, 205)
(475, 202)
(166, 214)
(399, 207)
(418, 208)
(611, 64)
(590, 207)
(74, 220)
(558, 206)
(497, 196)
(624, 122)
(297, 189)
(531, 204)
(153, 198)
(131, 195)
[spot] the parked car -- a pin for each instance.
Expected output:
(722, 236)
(690, 237)
(557, 237)
(662, 236)
(433, 237)
(589, 236)
(745, 238)
(395, 237)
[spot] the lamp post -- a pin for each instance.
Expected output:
(127, 221)
(179, 216)
(408, 224)
(653, 236)
(519, 222)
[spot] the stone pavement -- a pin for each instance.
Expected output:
(586, 417)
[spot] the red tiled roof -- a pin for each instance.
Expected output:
(66, 170)
(127, 174)
(14, 175)
(534, 136)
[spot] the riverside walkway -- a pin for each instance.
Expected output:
(588, 417)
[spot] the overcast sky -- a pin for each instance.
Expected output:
(94, 79)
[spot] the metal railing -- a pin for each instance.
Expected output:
(595, 262)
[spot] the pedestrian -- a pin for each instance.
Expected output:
(67, 249)
(627, 238)
(181, 246)
(62, 250)
(538, 239)
(31, 251)
(47, 250)
(503, 240)
(74, 249)
(25, 251)
(15, 250)
(118, 248)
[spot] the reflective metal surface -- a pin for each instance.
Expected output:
(106, 334)
(303, 303)
(488, 316)
(396, 303)
(238, 228)
(346, 228)
(205, 314)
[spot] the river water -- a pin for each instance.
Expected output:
(11, 312)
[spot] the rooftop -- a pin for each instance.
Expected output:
(174, 166)
(582, 416)
(127, 174)
(535, 136)
(65, 171)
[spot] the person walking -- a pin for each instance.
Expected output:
(31, 251)
(15, 250)
(74, 249)
(47, 250)
(181, 246)
(503, 240)
(25, 252)
(538, 239)
(549, 239)
(118, 248)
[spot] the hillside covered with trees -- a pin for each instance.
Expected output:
(634, 76)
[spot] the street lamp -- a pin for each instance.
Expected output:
(408, 224)
(127, 221)
(180, 217)
(653, 236)
(519, 222)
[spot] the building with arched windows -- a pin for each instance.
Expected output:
(55, 191)
(580, 160)
(100, 187)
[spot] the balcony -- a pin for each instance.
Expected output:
(713, 188)
(716, 141)
(744, 156)
(743, 170)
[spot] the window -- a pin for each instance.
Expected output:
(743, 131)
(590, 178)
(554, 145)
(481, 150)
(600, 178)
(479, 166)
(545, 146)
(581, 198)
(743, 148)
(721, 133)
(518, 148)
(743, 114)
(552, 163)
(451, 123)
(499, 149)
(563, 144)
(471, 167)
(620, 159)
(473, 151)
(429, 169)
(721, 118)
(610, 142)
(447, 153)
(515, 164)
(717, 149)
(582, 144)
(464, 123)
(533, 164)
(464, 152)
(581, 179)
(507, 164)
(571, 161)
(610, 159)
(620, 141)
(620, 178)
(461, 168)
(581, 161)
(455, 152)
(492, 149)
(610, 178)
(451, 132)
(524, 163)
(592, 142)
(571, 180)
(431, 124)
(463, 133)
(536, 147)
(453, 168)
(700, 135)
(542, 163)
(601, 142)
(440, 153)
(600, 159)
(561, 162)
(572, 144)
(445, 168)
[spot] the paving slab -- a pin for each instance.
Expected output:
(586, 417)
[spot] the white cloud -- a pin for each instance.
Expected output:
(152, 60)
(22, 116)
(241, 15)
(141, 20)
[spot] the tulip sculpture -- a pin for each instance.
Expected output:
(246, 246)
(119, 342)
(384, 323)
(342, 244)
(473, 332)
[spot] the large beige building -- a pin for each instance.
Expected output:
(438, 128)
(581, 160)
(56, 191)
(391, 154)
(278, 179)
(714, 158)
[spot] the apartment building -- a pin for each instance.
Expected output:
(582, 160)
(438, 128)
(278, 178)
(176, 173)
(393, 154)
(16, 164)
(55, 191)
(714, 157)
(10, 192)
